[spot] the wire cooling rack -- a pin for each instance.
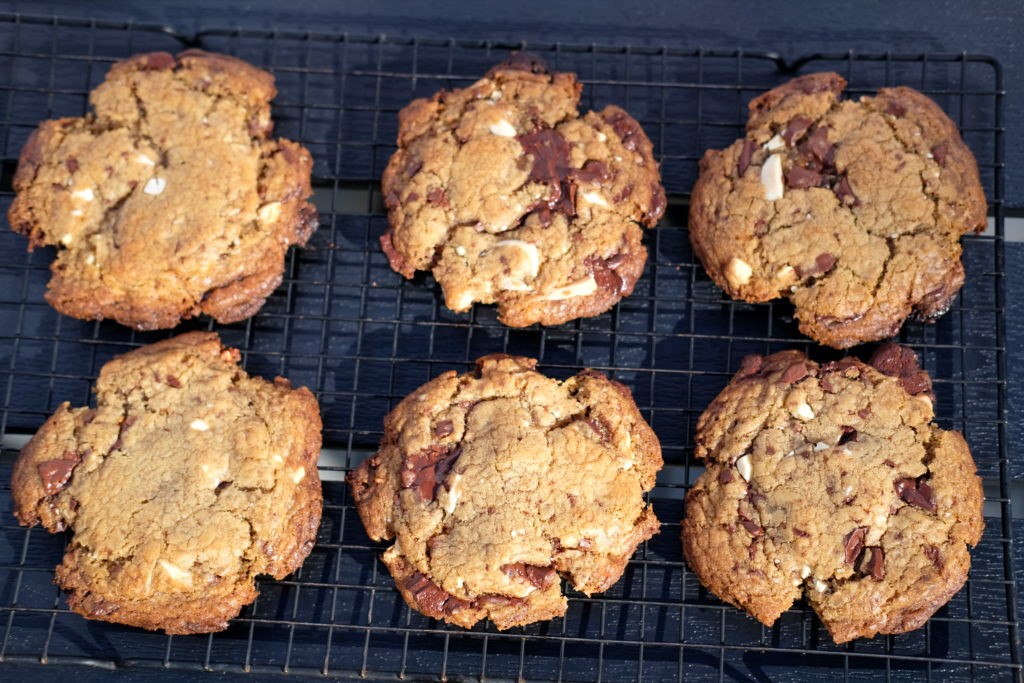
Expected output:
(348, 327)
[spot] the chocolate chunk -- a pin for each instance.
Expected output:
(522, 61)
(889, 463)
(101, 608)
(413, 167)
(433, 600)
(496, 600)
(607, 279)
(725, 476)
(916, 493)
(895, 108)
(659, 202)
(392, 199)
(797, 531)
(600, 428)
(626, 127)
(593, 171)
(795, 372)
(873, 564)
(437, 197)
(157, 61)
(901, 362)
(854, 543)
(864, 413)
(443, 428)
(748, 151)
(818, 146)
(55, 474)
(615, 260)
(795, 129)
(849, 434)
(426, 471)
(751, 527)
(72, 164)
(173, 381)
(540, 577)
(939, 152)
(750, 365)
(845, 193)
(822, 264)
(623, 194)
(801, 178)
(550, 153)
(932, 553)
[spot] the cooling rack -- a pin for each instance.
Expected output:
(352, 330)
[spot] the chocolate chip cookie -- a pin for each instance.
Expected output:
(509, 196)
(171, 199)
(831, 481)
(187, 480)
(493, 483)
(853, 209)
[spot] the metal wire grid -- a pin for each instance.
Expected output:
(345, 325)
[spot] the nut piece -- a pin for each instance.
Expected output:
(738, 272)
(502, 128)
(199, 425)
(176, 573)
(594, 198)
(771, 178)
(745, 467)
(155, 186)
(270, 212)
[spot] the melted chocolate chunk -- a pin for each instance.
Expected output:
(845, 193)
(433, 600)
(854, 543)
(55, 474)
(801, 178)
(873, 563)
(818, 147)
(939, 153)
(592, 172)
(550, 154)
(102, 608)
(540, 577)
(437, 197)
(606, 278)
(900, 362)
(626, 127)
(748, 151)
(916, 493)
(795, 129)
(752, 528)
(849, 434)
(443, 428)
(750, 365)
(497, 600)
(600, 428)
(822, 264)
(895, 108)
(522, 61)
(659, 202)
(796, 372)
(426, 471)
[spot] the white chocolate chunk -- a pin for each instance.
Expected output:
(802, 411)
(820, 586)
(453, 493)
(298, 474)
(67, 239)
(771, 178)
(270, 212)
(626, 464)
(602, 137)
(463, 301)
(460, 250)
(155, 186)
(199, 425)
(496, 95)
(745, 467)
(175, 572)
(90, 259)
(594, 198)
(786, 273)
(587, 285)
(277, 458)
(805, 572)
(738, 272)
(531, 256)
(820, 446)
(76, 212)
(775, 143)
(143, 159)
(503, 129)
(86, 194)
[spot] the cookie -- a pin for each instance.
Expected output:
(171, 199)
(187, 480)
(853, 209)
(495, 483)
(509, 196)
(831, 481)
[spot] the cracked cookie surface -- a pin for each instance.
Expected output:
(853, 209)
(171, 199)
(187, 480)
(831, 481)
(509, 196)
(494, 483)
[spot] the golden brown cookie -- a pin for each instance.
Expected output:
(831, 482)
(509, 196)
(853, 209)
(494, 483)
(187, 480)
(171, 199)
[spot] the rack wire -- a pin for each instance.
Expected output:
(352, 330)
